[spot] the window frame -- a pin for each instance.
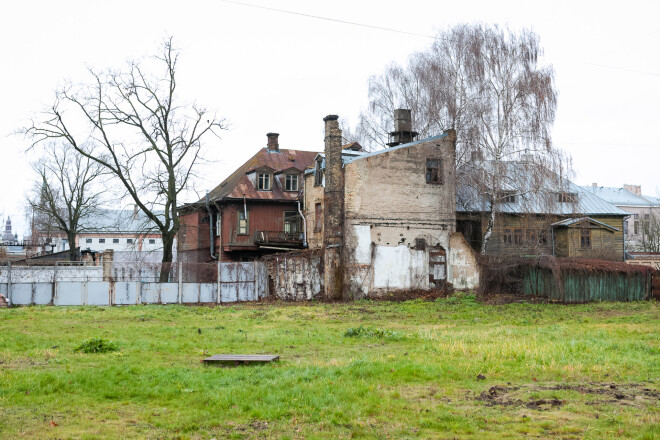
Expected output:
(241, 213)
(88, 240)
(102, 240)
(129, 241)
(433, 173)
(318, 174)
(508, 197)
(115, 241)
(152, 241)
(264, 178)
(289, 179)
(287, 220)
(585, 238)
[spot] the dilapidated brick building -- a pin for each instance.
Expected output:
(386, 220)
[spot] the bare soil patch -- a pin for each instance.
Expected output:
(631, 394)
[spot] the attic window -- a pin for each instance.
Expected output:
(291, 183)
(566, 197)
(509, 197)
(263, 181)
(434, 171)
(585, 238)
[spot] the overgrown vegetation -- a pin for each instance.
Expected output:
(460, 369)
(96, 345)
(368, 332)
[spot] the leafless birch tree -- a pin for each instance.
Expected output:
(139, 133)
(486, 83)
(66, 193)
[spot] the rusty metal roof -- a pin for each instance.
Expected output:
(238, 185)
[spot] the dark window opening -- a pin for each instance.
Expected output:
(88, 240)
(318, 174)
(517, 236)
(585, 238)
(129, 240)
(507, 236)
(434, 171)
(115, 240)
(292, 222)
(509, 197)
(101, 240)
(152, 241)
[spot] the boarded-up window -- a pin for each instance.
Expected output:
(585, 238)
(434, 171)
(243, 226)
(318, 213)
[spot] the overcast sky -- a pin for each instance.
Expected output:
(265, 70)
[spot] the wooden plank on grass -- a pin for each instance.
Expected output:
(242, 358)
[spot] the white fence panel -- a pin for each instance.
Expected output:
(70, 293)
(126, 293)
(169, 293)
(21, 294)
(98, 293)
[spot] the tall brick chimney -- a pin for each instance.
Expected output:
(333, 207)
(273, 143)
(635, 189)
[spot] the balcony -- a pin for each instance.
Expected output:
(279, 238)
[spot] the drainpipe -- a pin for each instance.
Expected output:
(211, 238)
(623, 225)
(304, 226)
(244, 207)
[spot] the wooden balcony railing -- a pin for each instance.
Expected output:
(278, 237)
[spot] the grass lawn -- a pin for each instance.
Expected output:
(450, 368)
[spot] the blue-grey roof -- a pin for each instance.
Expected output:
(617, 196)
(537, 201)
(119, 220)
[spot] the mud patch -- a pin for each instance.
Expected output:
(631, 394)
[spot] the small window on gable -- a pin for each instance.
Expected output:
(434, 171)
(291, 182)
(263, 181)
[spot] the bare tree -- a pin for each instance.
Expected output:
(139, 133)
(484, 82)
(64, 194)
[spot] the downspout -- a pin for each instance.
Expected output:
(552, 235)
(245, 207)
(211, 238)
(623, 225)
(304, 226)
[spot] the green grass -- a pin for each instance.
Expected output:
(357, 370)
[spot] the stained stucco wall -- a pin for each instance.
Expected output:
(389, 210)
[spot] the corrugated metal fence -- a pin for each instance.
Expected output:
(116, 285)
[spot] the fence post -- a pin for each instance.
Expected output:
(219, 298)
(55, 296)
(180, 282)
(9, 295)
(138, 300)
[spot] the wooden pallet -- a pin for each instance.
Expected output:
(238, 359)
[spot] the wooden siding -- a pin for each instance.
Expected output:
(605, 244)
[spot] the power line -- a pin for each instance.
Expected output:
(398, 31)
(336, 20)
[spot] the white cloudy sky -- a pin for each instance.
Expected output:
(271, 71)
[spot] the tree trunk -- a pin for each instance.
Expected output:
(166, 264)
(73, 255)
(489, 231)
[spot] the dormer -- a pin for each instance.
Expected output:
(290, 179)
(263, 178)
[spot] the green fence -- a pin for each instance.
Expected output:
(577, 286)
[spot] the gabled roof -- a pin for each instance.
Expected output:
(586, 203)
(238, 185)
(398, 147)
(617, 196)
(573, 221)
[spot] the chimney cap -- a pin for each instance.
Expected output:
(272, 134)
(331, 118)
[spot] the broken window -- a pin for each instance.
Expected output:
(318, 174)
(318, 213)
(243, 226)
(263, 181)
(585, 238)
(434, 171)
(291, 183)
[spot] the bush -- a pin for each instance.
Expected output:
(96, 345)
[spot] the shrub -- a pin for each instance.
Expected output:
(367, 332)
(96, 345)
